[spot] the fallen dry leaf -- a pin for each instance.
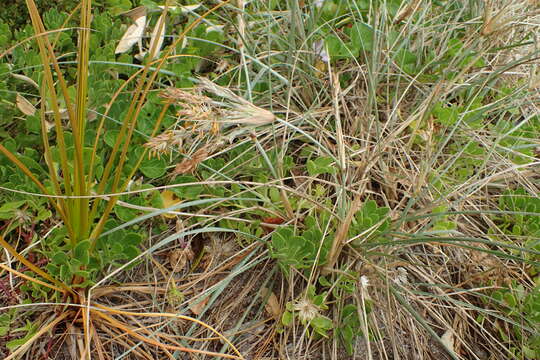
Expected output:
(198, 308)
(133, 33)
(64, 114)
(448, 339)
(272, 306)
(178, 258)
(26, 79)
(184, 9)
(24, 105)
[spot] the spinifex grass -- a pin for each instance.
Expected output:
(75, 189)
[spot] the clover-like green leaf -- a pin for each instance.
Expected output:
(81, 252)
(321, 165)
(362, 37)
(153, 168)
(321, 325)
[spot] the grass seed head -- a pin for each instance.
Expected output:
(189, 165)
(232, 109)
(235, 109)
(163, 143)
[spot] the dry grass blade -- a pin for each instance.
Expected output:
(33, 267)
(117, 336)
(29, 278)
(338, 242)
(407, 11)
(134, 334)
(43, 34)
(158, 35)
(493, 24)
(170, 315)
(135, 13)
(54, 321)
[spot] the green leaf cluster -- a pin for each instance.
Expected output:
(321, 165)
(524, 307)
(371, 221)
(523, 222)
(349, 327)
(302, 251)
(526, 219)
(518, 140)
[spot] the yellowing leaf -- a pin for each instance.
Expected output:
(132, 35)
(169, 199)
(24, 105)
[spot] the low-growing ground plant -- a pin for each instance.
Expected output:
(80, 171)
